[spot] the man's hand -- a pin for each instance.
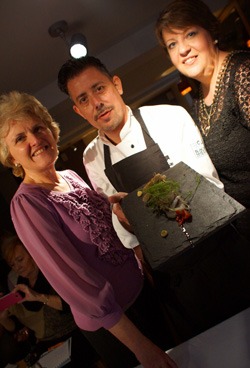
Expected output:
(115, 200)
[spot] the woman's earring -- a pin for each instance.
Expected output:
(17, 165)
(215, 42)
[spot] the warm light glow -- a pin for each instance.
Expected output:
(186, 90)
(248, 43)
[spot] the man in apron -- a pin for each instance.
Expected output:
(130, 147)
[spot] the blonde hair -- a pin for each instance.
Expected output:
(16, 106)
(8, 247)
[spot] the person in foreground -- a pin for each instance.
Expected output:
(190, 33)
(45, 317)
(67, 229)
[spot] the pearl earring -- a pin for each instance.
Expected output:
(215, 42)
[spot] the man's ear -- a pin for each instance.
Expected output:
(77, 111)
(118, 84)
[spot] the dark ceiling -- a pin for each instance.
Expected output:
(120, 32)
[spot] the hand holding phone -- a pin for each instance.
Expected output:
(9, 299)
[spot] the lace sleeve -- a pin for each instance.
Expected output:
(242, 87)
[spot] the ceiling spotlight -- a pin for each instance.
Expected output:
(78, 46)
(78, 43)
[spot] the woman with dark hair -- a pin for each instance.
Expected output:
(190, 33)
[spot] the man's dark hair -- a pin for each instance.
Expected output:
(74, 67)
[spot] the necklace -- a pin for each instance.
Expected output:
(207, 112)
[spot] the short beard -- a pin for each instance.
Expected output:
(111, 128)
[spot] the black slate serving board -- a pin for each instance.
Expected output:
(211, 210)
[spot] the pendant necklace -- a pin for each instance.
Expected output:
(207, 112)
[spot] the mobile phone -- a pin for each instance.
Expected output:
(9, 299)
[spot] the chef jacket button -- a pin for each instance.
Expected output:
(132, 146)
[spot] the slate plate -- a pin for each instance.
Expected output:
(211, 210)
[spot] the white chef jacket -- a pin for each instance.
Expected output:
(172, 128)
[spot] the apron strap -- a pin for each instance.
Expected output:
(135, 170)
(107, 158)
(148, 140)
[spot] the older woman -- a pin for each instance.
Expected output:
(67, 229)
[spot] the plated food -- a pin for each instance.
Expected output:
(162, 227)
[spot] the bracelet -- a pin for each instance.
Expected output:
(46, 299)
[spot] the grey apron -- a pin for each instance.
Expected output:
(134, 171)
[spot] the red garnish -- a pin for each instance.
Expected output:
(183, 216)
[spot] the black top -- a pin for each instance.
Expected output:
(228, 139)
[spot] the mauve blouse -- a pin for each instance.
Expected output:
(71, 238)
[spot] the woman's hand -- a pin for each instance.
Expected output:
(4, 315)
(29, 294)
(148, 354)
(6, 321)
(153, 357)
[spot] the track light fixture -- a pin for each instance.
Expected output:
(78, 43)
(78, 46)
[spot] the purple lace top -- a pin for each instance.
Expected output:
(71, 238)
(92, 212)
